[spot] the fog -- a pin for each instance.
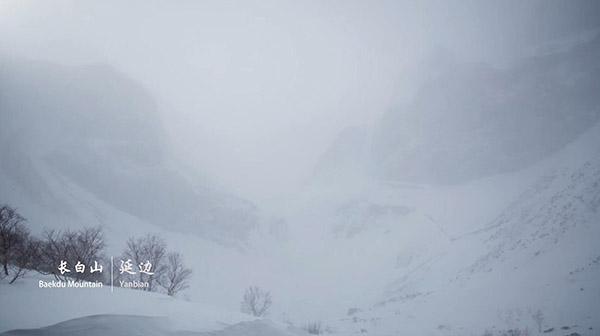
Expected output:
(382, 167)
(252, 93)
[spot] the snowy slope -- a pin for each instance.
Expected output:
(483, 211)
(89, 150)
(98, 311)
(408, 259)
(394, 257)
(97, 129)
(346, 159)
(540, 252)
(375, 256)
(139, 325)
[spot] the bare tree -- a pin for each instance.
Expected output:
(538, 319)
(176, 277)
(17, 249)
(256, 301)
(149, 250)
(87, 247)
(23, 260)
(12, 234)
(52, 251)
(313, 328)
(71, 248)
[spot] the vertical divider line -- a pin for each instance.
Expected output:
(111, 273)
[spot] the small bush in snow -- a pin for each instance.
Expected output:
(176, 276)
(538, 319)
(256, 301)
(509, 332)
(313, 328)
(149, 248)
(488, 333)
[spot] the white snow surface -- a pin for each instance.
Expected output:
(373, 257)
(100, 311)
(408, 259)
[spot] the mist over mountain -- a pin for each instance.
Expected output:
(473, 120)
(347, 158)
(101, 130)
(375, 168)
(476, 194)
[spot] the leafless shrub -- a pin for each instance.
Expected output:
(176, 276)
(24, 258)
(509, 332)
(12, 234)
(313, 328)
(256, 301)
(538, 319)
(517, 332)
(152, 249)
(71, 248)
(17, 248)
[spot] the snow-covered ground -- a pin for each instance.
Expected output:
(375, 257)
(539, 252)
(100, 311)
(359, 254)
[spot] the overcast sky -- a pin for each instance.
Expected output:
(252, 92)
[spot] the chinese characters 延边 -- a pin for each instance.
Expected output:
(127, 266)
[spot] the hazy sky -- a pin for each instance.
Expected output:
(252, 92)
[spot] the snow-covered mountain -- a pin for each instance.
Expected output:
(346, 159)
(488, 254)
(94, 129)
(539, 253)
(474, 208)
(481, 212)
(473, 120)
